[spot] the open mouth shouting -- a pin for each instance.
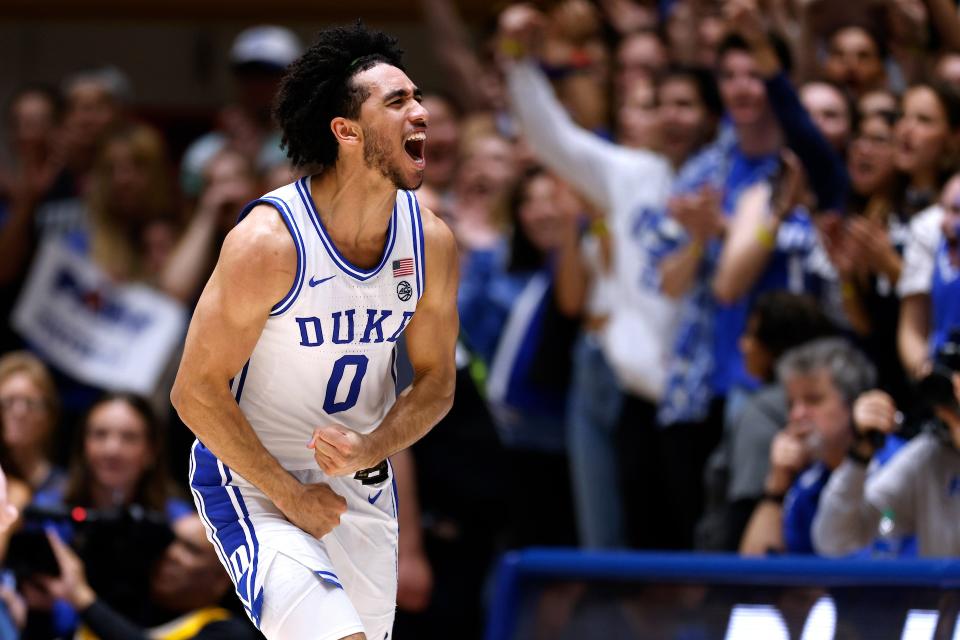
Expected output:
(414, 145)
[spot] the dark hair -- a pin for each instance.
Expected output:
(876, 36)
(524, 255)
(153, 489)
(786, 320)
(704, 81)
(735, 42)
(319, 87)
(948, 97)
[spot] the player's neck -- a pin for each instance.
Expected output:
(355, 208)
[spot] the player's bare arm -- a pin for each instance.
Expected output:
(431, 343)
(256, 268)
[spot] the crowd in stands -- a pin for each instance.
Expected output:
(709, 300)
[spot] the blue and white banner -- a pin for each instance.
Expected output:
(116, 336)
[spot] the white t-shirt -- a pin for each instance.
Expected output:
(918, 255)
(628, 184)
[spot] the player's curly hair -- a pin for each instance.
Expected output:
(319, 87)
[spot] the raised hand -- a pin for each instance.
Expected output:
(874, 411)
(520, 30)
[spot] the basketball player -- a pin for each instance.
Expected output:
(287, 376)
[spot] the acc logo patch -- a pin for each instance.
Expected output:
(404, 290)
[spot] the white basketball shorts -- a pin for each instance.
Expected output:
(292, 585)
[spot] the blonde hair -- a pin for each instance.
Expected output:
(115, 244)
(26, 364)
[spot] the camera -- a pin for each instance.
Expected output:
(118, 546)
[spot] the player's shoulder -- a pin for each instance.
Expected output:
(261, 232)
(436, 234)
(260, 246)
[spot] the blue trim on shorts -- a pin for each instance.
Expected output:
(223, 510)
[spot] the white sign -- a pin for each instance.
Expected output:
(116, 336)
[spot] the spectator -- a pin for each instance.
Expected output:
(586, 288)
(735, 474)
(474, 83)
(443, 151)
(638, 121)
(641, 56)
(929, 283)
(132, 227)
(509, 315)
(117, 462)
(97, 102)
(694, 31)
(855, 60)
(54, 167)
(870, 163)
(945, 286)
(868, 254)
(33, 121)
(822, 379)
(230, 182)
(878, 102)
(258, 57)
(688, 109)
(448, 546)
(607, 175)
(917, 489)
(831, 111)
(30, 409)
(729, 184)
(185, 589)
(927, 147)
(947, 69)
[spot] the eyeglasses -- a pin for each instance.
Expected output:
(32, 405)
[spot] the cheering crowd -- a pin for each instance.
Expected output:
(709, 300)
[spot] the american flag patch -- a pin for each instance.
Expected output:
(402, 267)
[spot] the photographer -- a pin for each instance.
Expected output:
(117, 467)
(185, 589)
(919, 489)
(822, 379)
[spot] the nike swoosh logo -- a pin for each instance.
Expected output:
(373, 498)
(314, 282)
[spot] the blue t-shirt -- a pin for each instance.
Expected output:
(502, 319)
(786, 271)
(800, 507)
(944, 297)
(694, 374)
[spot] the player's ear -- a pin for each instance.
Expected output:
(346, 131)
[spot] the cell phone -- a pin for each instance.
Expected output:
(30, 553)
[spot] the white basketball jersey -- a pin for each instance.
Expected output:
(328, 351)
